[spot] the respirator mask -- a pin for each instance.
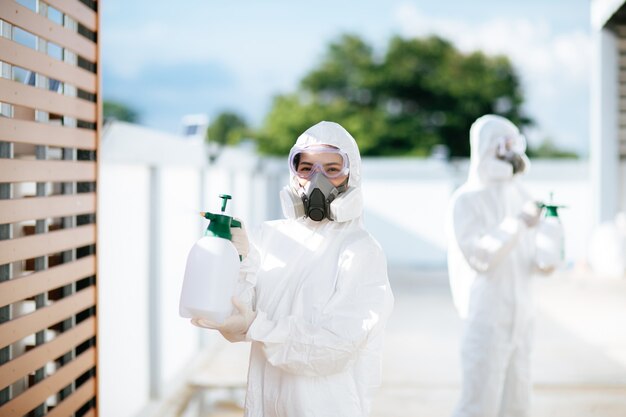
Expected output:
(311, 193)
(511, 149)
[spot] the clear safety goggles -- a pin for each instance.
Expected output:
(511, 143)
(330, 161)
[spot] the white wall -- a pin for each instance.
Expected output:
(406, 202)
(180, 229)
(123, 266)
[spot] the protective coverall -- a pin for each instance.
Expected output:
(322, 298)
(491, 258)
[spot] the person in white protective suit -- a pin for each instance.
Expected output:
(315, 294)
(491, 258)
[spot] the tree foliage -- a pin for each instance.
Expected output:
(548, 149)
(420, 93)
(113, 110)
(227, 128)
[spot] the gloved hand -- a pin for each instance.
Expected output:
(531, 213)
(547, 270)
(235, 327)
(240, 239)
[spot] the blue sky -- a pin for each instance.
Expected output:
(168, 59)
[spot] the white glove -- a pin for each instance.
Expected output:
(548, 270)
(240, 239)
(531, 213)
(235, 327)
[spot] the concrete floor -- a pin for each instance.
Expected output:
(579, 362)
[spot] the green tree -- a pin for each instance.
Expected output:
(418, 94)
(228, 128)
(113, 110)
(548, 149)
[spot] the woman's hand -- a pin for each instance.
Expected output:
(235, 327)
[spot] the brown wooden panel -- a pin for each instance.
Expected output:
(22, 56)
(48, 352)
(12, 250)
(38, 393)
(47, 29)
(75, 401)
(23, 170)
(79, 12)
(19, 209)
(39, 282)
(13, 92)
(90, 413)
(16, 329)
(21, 131)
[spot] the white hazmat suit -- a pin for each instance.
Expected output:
(491, 259)
(322, 298)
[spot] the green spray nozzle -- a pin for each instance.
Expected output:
(225, 198)
(552, 210)
(220, 224)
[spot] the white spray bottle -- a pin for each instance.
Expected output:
(212, 270)
(550, 238)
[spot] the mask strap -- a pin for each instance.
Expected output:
(343, 186)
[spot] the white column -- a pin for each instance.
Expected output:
(604, 125)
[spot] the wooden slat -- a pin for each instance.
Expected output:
(621, 45)
(20, 209)
(622, 76)
(24, 170)
(13, 92)
(23, 131)
(27, 58)
(622, 90)
(38, 282)
(622, 119)
(38, 393)
(47, 29)
(79, 12)
(622, 61)
(48, 352)
(622, 105)
(90, 413)
(19, 328)
(76, 400)
(12, 250)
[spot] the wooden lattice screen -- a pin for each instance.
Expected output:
(49, 124)
(621, 32)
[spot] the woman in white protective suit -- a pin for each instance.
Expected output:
(491, 258)
(315, 294)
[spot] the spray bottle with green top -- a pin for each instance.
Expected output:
(550, 238)
(212, 270)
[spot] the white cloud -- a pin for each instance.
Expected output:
(530, 44)
(550, 65)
